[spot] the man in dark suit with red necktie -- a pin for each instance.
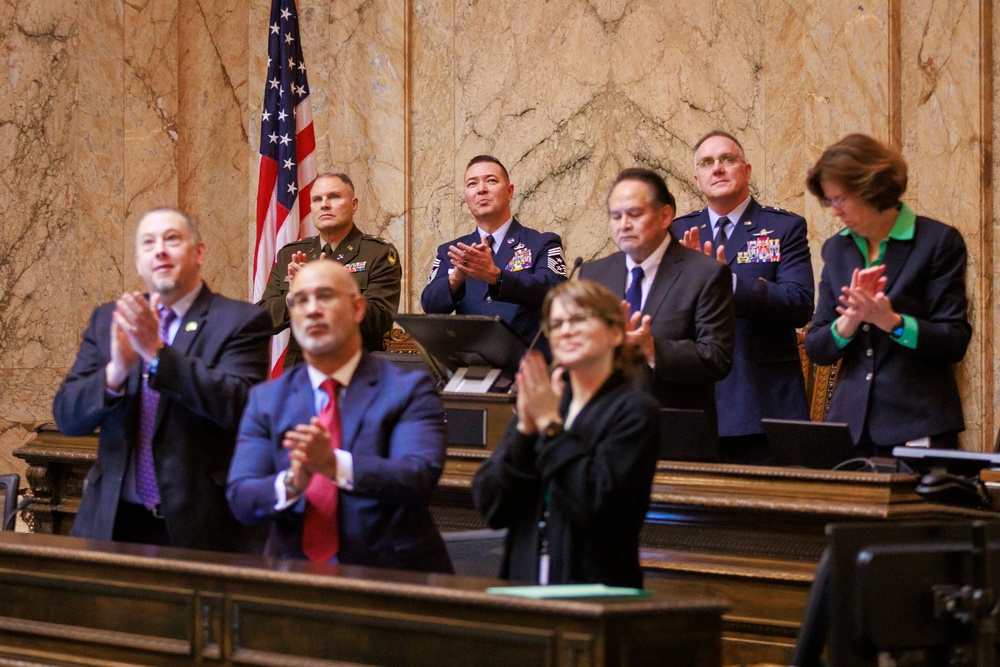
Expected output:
(165, 375)
(502, 268)
(339, 456)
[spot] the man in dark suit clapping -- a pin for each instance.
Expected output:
(165, 375)
(681, 301)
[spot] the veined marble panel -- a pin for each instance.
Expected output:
(363, 126)
(99, 165)
(38, 244)
(433, 199)
(942, 146)
(846, 73)
(150, 116)
(570, 92)
(212, 140)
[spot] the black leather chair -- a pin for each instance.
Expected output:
(8, 499)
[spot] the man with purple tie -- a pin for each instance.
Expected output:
(165, 376)
(339, 456)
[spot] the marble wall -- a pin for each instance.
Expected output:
(113, 108)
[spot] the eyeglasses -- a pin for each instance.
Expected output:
(323, 297)
(726, 160)
(836, 202)
(575, 321)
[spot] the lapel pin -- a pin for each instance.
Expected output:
(510, 241)
(191, 326)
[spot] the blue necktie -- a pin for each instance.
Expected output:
(634, 293)
(720, 233)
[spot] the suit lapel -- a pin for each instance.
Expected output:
(358, 396)
(743, 230)
(194, 321)
(667, 273)
(896, 253)
(190, 328)
(505, 252)
(348, 249)
(301, 399)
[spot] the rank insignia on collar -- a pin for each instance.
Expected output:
(351, 248)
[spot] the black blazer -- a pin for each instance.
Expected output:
(901, 394)
(693, 326)
(204, 376)
(598, 472)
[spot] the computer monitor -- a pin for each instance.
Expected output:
(481, 353)
(919, 594)
(685, 435)
(808, 444)
(959, 462)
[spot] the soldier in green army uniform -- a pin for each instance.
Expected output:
(373, 261)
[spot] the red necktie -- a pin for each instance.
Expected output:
(320, 534)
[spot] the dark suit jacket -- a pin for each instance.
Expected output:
(204, 376)
(518, 300)
(691, 303)
(599, 473)
(393, 426)
(772, 298)
(372, 261)
(901, 394)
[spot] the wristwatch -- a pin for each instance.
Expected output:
(552, 430)
(290, 489)
(499, 281)
(897, 333)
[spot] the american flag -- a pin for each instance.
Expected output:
(287, 164)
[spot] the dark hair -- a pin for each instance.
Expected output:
(488, 158)
(344, 178)
(864, 167)
(190, 222)
(657, 186)
(597, 300)
(719, 133)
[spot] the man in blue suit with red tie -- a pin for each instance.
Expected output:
(768, 252)
(502, 268)
(339, 455)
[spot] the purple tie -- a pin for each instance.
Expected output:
(145, 473)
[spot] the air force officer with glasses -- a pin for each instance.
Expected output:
(768, 252)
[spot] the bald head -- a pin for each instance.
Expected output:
(326, 309)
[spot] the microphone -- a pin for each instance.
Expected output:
(577, 263)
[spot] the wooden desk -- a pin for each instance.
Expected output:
(749, 535)
(70, 601)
